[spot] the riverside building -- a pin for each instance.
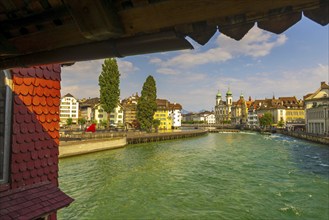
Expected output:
(223, 108)
(69, 108)
(317, 110)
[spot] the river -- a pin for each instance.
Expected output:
(217, 176)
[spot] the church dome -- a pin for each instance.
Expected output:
(218, 94)
(228, 93)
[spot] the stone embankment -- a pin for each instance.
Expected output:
(306, 136)
(153, 137)
(223, 130)
(76, 144)
(73, 148)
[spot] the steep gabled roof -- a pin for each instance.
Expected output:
(323, 87)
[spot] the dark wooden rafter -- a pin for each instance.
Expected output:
(31, 31)
(319, 15)
(190, 11)
(97, 20)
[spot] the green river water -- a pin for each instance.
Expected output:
(216, 176)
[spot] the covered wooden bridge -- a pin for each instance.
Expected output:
(38, 36)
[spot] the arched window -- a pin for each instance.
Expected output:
(5, 123)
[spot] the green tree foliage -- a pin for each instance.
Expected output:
(281, 123)
(103, 123)
(109, 81)
(156, 124)
(266, 119)
(82, 121)
(146, 105)
(69, 121)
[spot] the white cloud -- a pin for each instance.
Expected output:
(257, 43)
(126, 68)
(155, 60)
(297, 82)
(167, 71)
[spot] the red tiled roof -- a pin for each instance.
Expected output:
(33, 201)
(32, 190)
(35, 124)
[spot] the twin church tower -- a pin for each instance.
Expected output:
(226, 111)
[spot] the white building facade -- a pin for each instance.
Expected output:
(116, 116)
(317, 111)
(69, 108)
(176, 115)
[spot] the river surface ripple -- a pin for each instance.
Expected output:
(217, 176)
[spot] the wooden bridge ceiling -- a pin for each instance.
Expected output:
(51, 31)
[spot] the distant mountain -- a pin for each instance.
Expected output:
(203, 110)
(185, 111)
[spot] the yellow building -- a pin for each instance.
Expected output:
(163, 114)
(295, 115)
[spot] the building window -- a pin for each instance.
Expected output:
(5, 123)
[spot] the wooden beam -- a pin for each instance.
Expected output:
(57, 37)
(96, 19)
(170, 13)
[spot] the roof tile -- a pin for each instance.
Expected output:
(19, 139)
(27, 100)
(16, 128)
(28, 81)
(27, 138)
(19, 118)
(14, 169)
(38, 72)
(22, 71)
(30, 165)
(37, 163)
(34, 156)
(24, 128)
(43, 83)
(31, 72)
(43, 100)
(18, 80)
(57, 68)
(26, 175)
(46, 73)
(34, 173)
(15, 148)
(50, 101)
(22, 167)
(36, 108)
(31, 127)
(17, 100)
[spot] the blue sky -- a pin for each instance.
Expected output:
(260, 65)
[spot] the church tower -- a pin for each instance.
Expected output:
(218, 98)
(229, 97)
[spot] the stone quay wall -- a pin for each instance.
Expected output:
(306, 136)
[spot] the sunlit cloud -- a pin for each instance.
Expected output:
(257, 43)
(126, 68)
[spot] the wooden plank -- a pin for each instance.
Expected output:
(172, 12)
(57, 37)
(96, 20)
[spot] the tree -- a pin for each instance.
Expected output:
(266, 119)
(281, 123)
(146, 105)
(104, 123)
(69, 121)
(82, 121)
(109, 81)
(156, 124)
